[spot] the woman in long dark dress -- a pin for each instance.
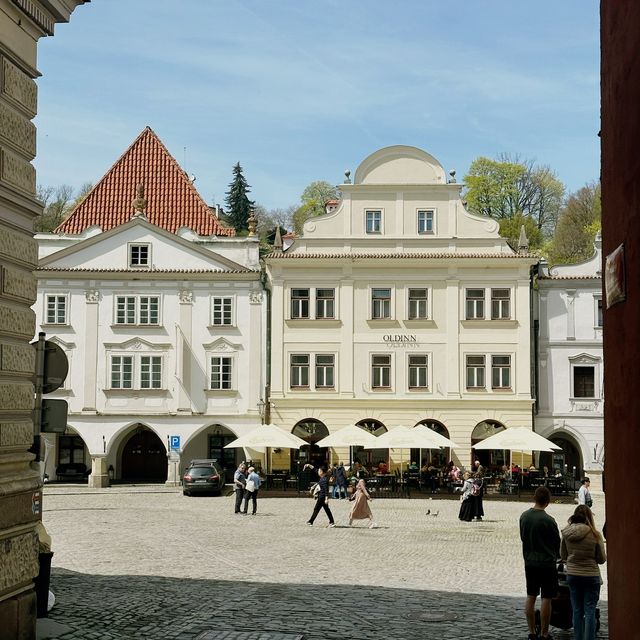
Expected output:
(477, 492)
(466, 506)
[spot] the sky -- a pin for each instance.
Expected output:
(300, 90)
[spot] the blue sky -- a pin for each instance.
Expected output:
(300, 90)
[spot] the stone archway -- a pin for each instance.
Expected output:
(144, 457)
(311, 430)
(436, 457)
(489, 458)
(568, 460)
(370, 457)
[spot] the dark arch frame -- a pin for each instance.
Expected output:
(311, 430)
(488, 458)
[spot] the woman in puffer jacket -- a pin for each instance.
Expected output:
(582, 549)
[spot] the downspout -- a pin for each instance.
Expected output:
(267, 386)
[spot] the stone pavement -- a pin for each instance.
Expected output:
(140, 564)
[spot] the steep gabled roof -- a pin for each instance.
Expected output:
(172, 200)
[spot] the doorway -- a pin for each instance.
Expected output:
(144, 458)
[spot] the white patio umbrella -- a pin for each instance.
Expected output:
(267, 435)
(420, 437)
(517, 439)
(351, 436)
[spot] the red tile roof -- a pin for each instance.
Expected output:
(172, 200)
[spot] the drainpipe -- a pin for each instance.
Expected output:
(267, 386)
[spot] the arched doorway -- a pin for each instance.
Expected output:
(435, 457)
(489, 458)
(144, 457)
(568, 461)
(370, 458)
(311, 431)
(209, 443)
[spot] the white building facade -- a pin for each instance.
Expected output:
(164, 332)
(570, 408)
(398, 307)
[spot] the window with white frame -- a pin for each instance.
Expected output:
(584, 381)
(599, 313)
(325, 371)
(122, 372)
(325, 303)
(138, 310)
(300, 303)
(299, 370)
(222, 311)
(139, 255)
(221, 373)
(373, 221)
(380, 304)
(475, 370)
(418, 304)
(474, 304)
(56, 309)
(500, 304)
(419, 372)
(136, 372)
(381, 371)
(425, 221)
(500, 372)
(150, 372)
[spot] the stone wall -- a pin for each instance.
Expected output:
(22, 23)
(620, 40)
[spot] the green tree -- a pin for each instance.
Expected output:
(314, 201)
(578, 224)
(238, 204)
(510, 229)
(57, 203)
(509, 186)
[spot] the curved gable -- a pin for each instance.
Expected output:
(400, 164)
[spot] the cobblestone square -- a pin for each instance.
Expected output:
(151, 563)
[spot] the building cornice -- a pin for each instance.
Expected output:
(147, 274)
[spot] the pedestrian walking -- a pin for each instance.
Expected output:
(322, 499)
(583, 550)
(540, 549)
(239, 482)
(584, 495)
(251, 490)
(360, 509)
(466, 503)
(340, 481)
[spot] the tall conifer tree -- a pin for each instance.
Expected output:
(238, 204)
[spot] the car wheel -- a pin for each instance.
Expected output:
(186, 493)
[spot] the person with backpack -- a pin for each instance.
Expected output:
(583, 550)
(340, 481)
(477, 490)
(466, 502)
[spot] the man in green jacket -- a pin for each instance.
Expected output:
(540, 549)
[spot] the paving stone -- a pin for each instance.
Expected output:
(131, 565)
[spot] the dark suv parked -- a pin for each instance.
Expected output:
(203, 476)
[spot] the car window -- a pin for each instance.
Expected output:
(200, 472)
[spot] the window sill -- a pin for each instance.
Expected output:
(383, 322)
(420, 322)
(381, 389)
(135, 392)
(56, 324)
(313, 322)
(502, 389)
(419, 389)
(217, 327)
(493, 324)
(476, 389)
(221, 393)
(117, 325)
(299, 388)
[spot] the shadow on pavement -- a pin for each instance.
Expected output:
(126, 607)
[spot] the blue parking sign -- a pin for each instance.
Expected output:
(174, 442)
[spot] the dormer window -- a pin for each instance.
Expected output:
(139, 255)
